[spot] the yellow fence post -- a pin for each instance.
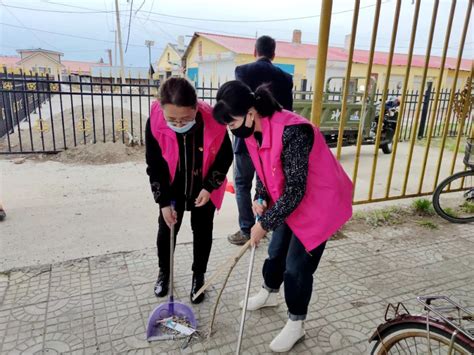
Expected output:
(342, 119)
(414, 131)
(366, 94)
(434, 108)
(453, 90)
(401, 111)
(461, 112)
(323, 42)
(396, 17)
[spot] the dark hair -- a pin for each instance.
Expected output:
(179, 92)
(265, 46)
(234, 98)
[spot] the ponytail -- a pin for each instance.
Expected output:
(265, 104)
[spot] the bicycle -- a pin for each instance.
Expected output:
(445, 328)
(457, 208)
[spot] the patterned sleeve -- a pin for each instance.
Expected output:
(260, 191)
(297, 144)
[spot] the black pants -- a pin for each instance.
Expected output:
(288, 262)
(202, 222)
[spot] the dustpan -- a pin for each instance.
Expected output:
(155, 329)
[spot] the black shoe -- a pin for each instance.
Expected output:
(3, 215)
(198, 282)
(162, 284)
(238, 238)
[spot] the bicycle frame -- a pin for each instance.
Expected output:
(441, 321)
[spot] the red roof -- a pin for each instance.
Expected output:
(245, 45)
(72, 65)
(9, 61)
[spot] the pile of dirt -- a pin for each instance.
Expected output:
(98, 154)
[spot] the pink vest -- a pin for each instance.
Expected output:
(214, 134)
(327, 203)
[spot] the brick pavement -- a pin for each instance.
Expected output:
(101, 304)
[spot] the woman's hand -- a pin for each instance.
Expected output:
(256, 234)
(169, 215)
(203, 198)
(259, 208)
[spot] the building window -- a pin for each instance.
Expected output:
(43, 70)
(168, 56)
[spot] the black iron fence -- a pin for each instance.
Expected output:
(48, 114)
(16, 106)
(44, 114)
(412, 98)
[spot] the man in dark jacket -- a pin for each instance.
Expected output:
(262, 71)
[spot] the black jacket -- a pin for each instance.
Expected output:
(188, 181)
(260, 72)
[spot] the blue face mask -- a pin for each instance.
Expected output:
(182, 129)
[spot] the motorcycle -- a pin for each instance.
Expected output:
(389, 123)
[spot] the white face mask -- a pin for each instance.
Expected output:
(182, 129)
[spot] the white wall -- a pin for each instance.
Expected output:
(332, 69)
(216, 69)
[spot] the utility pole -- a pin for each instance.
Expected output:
(115, 46)
(119, 34)
(110, 57)
(149, 44)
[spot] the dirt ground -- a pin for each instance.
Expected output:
(96, 154)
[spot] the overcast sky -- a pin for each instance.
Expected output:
(164, 21)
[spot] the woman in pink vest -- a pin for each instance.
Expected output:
(306, 193)
(188, 155)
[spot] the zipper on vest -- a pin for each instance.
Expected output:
(185, 174)
(193, 157)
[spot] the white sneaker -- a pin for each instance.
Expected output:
(262, 299)
(291, 333)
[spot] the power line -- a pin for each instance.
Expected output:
(189, 18)
(62, 50)
(32, 32)
(67, 35)
(259, 21)
(162, 22)
(143, 25)
(194, 28)
(152, 20)
(142, 46)
(151, 9)
(129, 25)
(139, 8)
(58, 11)
(107, 16)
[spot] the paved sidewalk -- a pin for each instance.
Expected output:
(101, 304)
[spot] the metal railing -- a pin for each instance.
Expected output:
(43, 114)
(431, 124)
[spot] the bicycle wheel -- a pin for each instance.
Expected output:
(411, 338)
(456, 206)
